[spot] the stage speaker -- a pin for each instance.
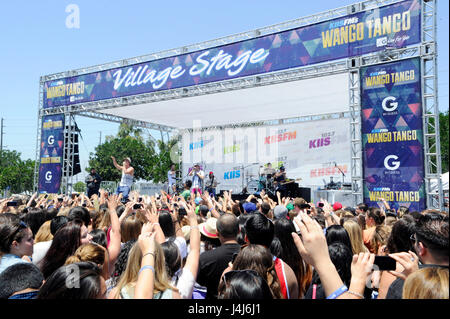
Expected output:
(74, 149)
(304, 193)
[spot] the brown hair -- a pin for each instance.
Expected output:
(427, 283)
(379, 238)
(259, 258)
(88, 252)
(43, 233)
(130, 228)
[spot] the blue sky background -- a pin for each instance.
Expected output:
(35, 41)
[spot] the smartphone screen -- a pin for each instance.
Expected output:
(11, 204)
(384, 263)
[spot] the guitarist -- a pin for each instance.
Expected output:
(280, 179)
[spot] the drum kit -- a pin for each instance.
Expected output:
(266, 181)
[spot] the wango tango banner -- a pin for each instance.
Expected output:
(52, 148)
(395, 26)
(392, 128)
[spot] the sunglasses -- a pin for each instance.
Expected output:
(229, 275)
(414, 240)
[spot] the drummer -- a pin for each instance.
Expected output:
(268, 170)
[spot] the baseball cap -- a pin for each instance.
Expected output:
(290, 206)
(249, 207)
(337, 206)
(280, 211)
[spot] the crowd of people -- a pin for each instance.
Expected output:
(201, 246)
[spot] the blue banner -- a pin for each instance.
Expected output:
(394, 26)
(392, 132)
(51, 154)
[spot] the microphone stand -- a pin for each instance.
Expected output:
(343, 175)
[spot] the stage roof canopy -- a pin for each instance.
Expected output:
(328, 94)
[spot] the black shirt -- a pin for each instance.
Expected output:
(396, 288)
(90, 181)
(212, 264)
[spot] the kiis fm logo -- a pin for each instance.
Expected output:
(281, 137)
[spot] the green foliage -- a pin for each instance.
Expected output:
(16, 173)
(79, 187)
(148, 163)
(444, 137)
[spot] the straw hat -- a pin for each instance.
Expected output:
(208, 228)
(186, 232)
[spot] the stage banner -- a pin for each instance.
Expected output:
(392, 132)
(51, 154)
(394, 26)
(312, 152)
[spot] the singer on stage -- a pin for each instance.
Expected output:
(127, 177)
(171, 177)
(197, 179)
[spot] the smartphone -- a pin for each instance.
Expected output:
(181, 213)
(46, 195)
(137, 206)
(11, 203)
(305, 206)
(385, 263)
(234, 257)
(60, 199)
(140, 199)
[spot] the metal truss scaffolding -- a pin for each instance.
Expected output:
(430, 107)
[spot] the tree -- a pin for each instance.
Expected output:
(128, 143)
(444, 137)
(164, 161)
(16, 173)
(79, 187)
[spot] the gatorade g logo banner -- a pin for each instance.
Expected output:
(52, 147)
(395, 26)
(391, 105)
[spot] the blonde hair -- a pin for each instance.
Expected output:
(88, 252)
(355, 233)
(44, 233)
(427, 283)
(63, 211)
(131, 272)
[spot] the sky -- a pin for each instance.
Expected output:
(35, 41)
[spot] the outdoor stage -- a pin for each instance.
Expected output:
(354, 87)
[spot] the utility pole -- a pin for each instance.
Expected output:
(1, 136)
(100, 139)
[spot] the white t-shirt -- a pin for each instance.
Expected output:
(184, 284)
(39, 251)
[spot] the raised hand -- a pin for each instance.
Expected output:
(313, 244)
(409, 262)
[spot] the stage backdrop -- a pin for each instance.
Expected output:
(394, 26)
(391, 104)
(52, 148)
(312, 151)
